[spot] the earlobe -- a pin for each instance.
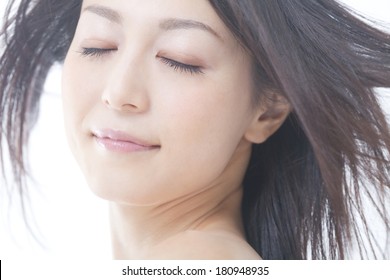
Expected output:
(267, 120)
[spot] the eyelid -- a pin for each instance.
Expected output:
(180, 66)
(96, 52)
(176, 65)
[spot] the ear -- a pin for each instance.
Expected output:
(267, 119)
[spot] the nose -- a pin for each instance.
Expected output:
(126, 87)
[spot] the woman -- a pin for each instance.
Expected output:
(216, 129)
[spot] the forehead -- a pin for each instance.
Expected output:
(198, 14)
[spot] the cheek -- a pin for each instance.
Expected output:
(77, 96)
(202, 131)
(210, 112)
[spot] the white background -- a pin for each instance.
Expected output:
(73, 223)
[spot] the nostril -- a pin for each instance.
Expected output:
(123, 99)
(129, 106)
(119, 106)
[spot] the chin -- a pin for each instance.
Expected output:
(128, 192)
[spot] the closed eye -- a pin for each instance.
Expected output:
(182, 67)
(95, 52)
(177, 66)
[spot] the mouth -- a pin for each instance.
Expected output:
(122, 142)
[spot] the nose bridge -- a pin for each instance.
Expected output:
(126, 88)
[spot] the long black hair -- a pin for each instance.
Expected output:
(305, 186)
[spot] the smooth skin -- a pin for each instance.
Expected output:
(169, 73)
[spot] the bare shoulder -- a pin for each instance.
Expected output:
(192, 245)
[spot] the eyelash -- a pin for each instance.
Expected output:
(182, 67)
(95, 52)
(177, 66)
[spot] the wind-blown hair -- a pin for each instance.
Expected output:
(305, 187)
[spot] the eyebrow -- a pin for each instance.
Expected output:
(104, 12)
(166, 24)
(174, 24)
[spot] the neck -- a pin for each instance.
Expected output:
(138, 231)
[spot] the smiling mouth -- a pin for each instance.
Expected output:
(117, 141)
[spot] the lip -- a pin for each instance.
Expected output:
(119, 141)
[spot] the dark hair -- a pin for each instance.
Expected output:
(305, 186)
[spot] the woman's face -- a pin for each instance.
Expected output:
(157, 99)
